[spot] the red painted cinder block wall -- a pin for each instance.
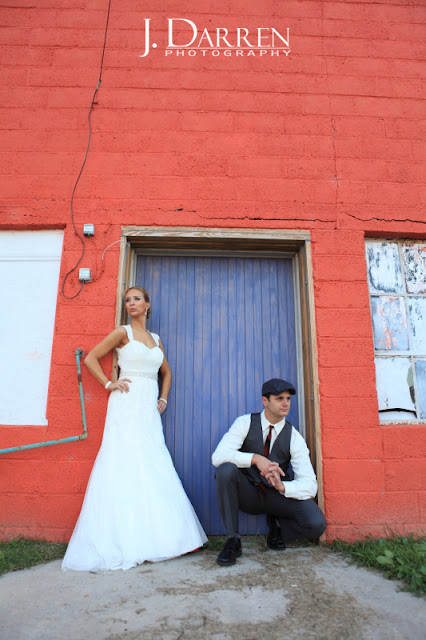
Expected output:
(328, 139)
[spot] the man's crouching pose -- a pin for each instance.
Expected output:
(252, 460)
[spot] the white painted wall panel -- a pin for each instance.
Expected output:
(29, 276)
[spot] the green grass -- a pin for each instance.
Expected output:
(22, 553)
(215, 543)
(402, 558)
(254, 541)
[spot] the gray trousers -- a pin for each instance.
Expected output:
(297, 518)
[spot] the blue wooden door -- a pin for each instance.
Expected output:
(227, 325)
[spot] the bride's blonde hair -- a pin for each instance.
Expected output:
(145, 296)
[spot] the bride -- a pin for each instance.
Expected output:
(135, 508)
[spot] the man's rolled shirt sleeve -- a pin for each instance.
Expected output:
(228, 448)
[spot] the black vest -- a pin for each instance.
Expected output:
(280, 451)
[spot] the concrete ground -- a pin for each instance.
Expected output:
(304, 592)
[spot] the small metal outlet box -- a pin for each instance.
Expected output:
(85, 275)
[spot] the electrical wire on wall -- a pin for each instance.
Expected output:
(81, 238)
(99, 275)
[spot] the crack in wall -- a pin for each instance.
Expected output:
(351, 215)
(333, 121)
(299, 220)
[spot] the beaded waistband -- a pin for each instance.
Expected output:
(139, 374)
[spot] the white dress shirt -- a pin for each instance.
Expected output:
(304, 485)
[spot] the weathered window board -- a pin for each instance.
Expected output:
(397, 284)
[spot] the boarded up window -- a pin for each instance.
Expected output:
(29, 275)
(397, 284)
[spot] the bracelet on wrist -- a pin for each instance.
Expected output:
(163, 399)
(108, 384)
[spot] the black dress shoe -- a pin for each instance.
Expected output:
(230, 552)
(273, 539)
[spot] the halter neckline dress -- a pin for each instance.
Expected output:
(135, 508)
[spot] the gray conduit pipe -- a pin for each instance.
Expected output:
(82, 436)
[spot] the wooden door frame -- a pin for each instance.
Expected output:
(241, 242)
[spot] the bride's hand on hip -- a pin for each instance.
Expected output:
(121, 385)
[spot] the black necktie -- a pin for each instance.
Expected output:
(267, 445)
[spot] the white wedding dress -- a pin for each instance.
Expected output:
(135, 508)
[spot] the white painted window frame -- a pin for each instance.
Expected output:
(399, 417)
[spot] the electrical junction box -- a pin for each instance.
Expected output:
(85, 275)
(89, 230)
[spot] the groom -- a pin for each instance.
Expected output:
(252, 460)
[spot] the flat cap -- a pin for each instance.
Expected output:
(277, 386)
